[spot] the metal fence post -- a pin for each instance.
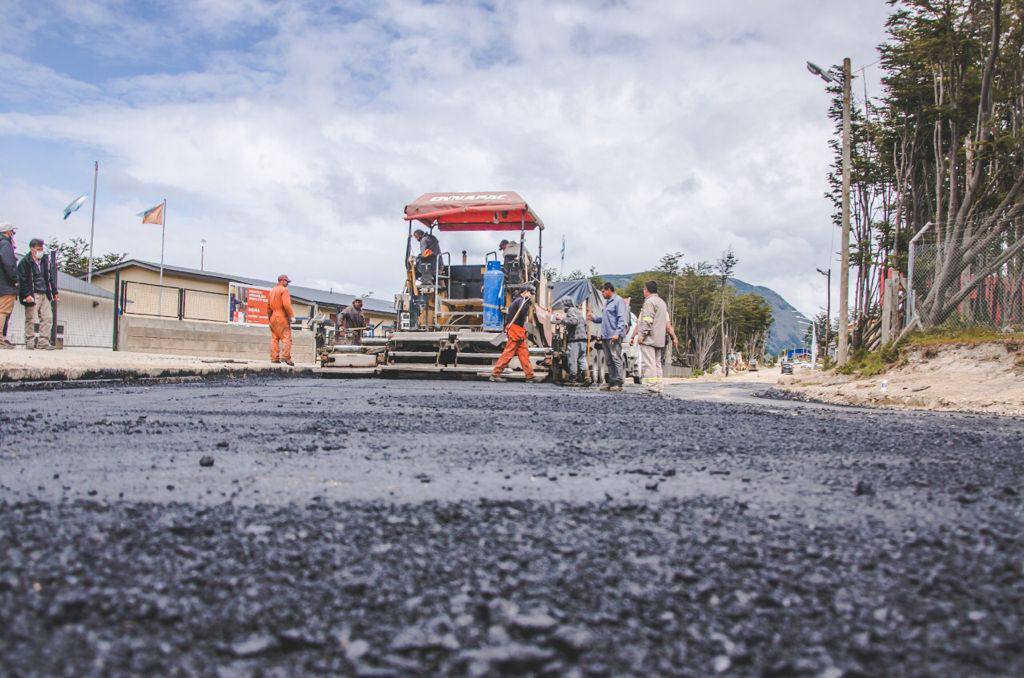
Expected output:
(911, 255)
(117, 307)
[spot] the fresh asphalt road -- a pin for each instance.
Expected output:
(393, 527)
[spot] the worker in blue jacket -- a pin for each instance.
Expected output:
(613, 320)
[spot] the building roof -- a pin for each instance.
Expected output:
(307, 294)
(69, 283)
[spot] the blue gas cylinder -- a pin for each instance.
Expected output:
(494, 296)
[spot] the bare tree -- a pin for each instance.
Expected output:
(725, 267)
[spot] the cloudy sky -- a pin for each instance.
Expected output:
(290, 135)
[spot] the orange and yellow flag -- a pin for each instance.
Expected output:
(154, 215)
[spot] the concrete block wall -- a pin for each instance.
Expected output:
(206, 339)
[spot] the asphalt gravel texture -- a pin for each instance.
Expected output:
(380, 528)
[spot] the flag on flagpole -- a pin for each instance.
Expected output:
(75, 205)
(154, 215)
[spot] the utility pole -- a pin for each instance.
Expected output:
(202, 254)
(842, 351)
(828, 306)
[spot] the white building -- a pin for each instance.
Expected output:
(86, 312)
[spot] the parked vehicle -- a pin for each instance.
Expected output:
(787, 367)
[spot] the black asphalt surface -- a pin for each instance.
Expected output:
(375, 527)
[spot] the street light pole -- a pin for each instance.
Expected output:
(828, 306)
(842, 349)
(202, 254)
(844, 254)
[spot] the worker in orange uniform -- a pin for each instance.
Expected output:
(281, 318)
(516, 346)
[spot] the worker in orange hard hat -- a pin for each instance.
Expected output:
(281, 318)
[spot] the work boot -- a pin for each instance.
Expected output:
(495, 377)
(7, 346)
(606, 387)
(289, 363)
(30, 344)
(617, 387)
(44, 344)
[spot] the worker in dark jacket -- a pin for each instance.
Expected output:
(8, 280)
(516, 346)
(37, 289)
(354, 322)
(430, 249)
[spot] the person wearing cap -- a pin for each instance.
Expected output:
(354, 322)
(281, 318)
(37, 284)
(430, 248)
(8, 279)
(514, 257)
(515, 329)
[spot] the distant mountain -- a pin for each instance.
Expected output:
(786, 331)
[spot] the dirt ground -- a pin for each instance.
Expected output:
(982, 378)
(100, 363)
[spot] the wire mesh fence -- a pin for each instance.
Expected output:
(961, 286)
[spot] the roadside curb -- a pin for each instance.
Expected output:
(20, 379)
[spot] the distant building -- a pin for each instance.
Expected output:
(191, 294)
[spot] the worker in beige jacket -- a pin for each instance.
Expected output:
(652, 331)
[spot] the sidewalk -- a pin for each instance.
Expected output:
(99, 363)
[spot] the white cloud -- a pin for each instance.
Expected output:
(634, 128)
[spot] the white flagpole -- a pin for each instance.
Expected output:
(163, 232)
(92, 227)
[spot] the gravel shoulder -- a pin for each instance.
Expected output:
(985, 378)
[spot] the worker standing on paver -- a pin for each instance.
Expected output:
(516, 346)
(8, 279)
(354, 322)
(430, 248)
(613, 323)
(37, 289)
(651, 332)
(281, 318)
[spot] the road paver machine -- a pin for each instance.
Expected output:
(451, 314)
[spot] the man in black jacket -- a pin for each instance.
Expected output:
(37, 285)
(8, 279)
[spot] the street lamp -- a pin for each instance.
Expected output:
(828, 305)
(844, 254)
(202, 254)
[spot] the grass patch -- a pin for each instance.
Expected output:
(943, 335)
(872, 363)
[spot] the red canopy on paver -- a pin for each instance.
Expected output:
(482, 211)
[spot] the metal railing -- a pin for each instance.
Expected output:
(179, 303)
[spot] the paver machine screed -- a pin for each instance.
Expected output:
(451, 314)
